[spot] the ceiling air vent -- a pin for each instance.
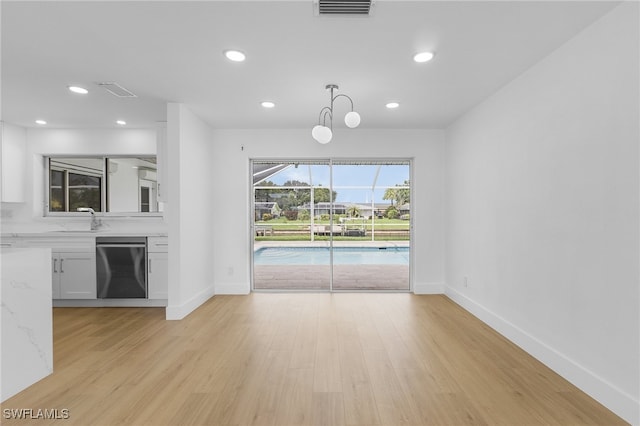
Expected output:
(116, 90)
(342, 7)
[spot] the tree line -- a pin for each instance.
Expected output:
(291, 198)
(293, 194)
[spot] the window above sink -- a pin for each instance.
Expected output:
(110, 185)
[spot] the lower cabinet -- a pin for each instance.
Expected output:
(157, 272)
(74, 275)
(157, 268)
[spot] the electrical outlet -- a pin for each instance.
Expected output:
(465, 281)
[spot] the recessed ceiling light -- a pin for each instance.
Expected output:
(41, 122)
(235, 55)
(392, 105)
(267, 104)
(121, 122)
(77, 89)
(423, 57)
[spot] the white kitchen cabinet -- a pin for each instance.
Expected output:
(74, 275)
(13, 153)
(158, 275)
(158, 268)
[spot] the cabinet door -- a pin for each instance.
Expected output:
(55, 276)
(77, 275)
(157, 272)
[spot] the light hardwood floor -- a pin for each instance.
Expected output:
(299, 359)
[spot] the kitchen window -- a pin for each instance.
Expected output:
(57, 191)
(75, 183)
(106, 184)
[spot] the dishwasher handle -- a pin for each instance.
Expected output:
(121, 245)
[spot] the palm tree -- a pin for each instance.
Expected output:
(403, 195)
(389, 194)
(399, 194)
(353, 211)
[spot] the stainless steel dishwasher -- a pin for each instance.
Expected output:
(120, 267)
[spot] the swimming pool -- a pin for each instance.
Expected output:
(341, 256)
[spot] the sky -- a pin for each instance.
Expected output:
(351, 182)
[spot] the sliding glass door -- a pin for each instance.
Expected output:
(291, 241)
(331, 225)
(371, 252)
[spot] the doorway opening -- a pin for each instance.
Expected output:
(331, 225)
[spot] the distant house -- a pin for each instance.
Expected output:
(341, 208)
(324, 208)
(262, 207)
(404, 209)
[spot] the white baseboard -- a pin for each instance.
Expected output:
(178, 312)
(233, 289)
(101, 303)
(428, 288)
(616, 400)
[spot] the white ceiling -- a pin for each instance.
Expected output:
(171, 51)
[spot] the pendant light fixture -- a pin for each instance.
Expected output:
(323, 133)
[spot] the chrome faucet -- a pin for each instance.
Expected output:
(95, 223)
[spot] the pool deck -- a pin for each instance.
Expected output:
(318, 277)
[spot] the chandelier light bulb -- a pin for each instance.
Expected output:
(322, 134)
(352, 119)
(315, 132)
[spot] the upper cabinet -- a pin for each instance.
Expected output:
(13, 150)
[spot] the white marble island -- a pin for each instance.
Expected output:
(26, 346)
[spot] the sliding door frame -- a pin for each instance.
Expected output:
(330, 162)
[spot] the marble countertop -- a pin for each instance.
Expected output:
(83, 233)
(70, 228)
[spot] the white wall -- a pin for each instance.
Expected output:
(543, 211)
(13, 153)
(191, 211)
(28, 215)
(231, 189)
(43, 142)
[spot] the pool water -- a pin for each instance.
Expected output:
(341, 256)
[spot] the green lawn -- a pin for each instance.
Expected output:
(282, 229)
